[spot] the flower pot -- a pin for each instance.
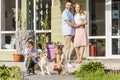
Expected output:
(50, 50)
(17, 57)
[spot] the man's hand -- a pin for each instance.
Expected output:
(76, 25)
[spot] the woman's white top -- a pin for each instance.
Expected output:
(79, 18)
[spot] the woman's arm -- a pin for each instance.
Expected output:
(84, 22)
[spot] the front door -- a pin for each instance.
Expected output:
(115, 28)
(104, 28)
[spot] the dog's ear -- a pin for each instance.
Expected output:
(37, 58)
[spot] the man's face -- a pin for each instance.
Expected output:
(68, 5)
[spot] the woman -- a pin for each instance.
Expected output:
(81, 39)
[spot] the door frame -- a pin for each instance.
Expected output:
(108, 31)
(110, 36)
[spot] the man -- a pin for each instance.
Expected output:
(68, 30)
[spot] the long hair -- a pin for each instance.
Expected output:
(81, 9)
(59, 48)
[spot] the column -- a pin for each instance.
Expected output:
(24, 14)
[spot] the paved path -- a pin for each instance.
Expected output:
(53, 75)
(110, 64)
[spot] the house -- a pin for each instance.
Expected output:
(103, 26)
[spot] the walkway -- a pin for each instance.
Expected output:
(110, 64)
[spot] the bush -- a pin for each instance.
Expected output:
(95, 71)
(88, 68)
(10, 73)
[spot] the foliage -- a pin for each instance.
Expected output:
(41, 38)
(46, 23)
(55, 43)
(95, 71)
(10, 73)
(88, 68)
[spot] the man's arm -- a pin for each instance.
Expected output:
(71, 24)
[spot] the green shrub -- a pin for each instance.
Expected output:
(88, 68)
(95, 71)
(10, 73)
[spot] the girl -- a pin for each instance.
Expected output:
(80, 40)
(59, 59)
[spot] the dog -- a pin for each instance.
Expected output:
(43, 63)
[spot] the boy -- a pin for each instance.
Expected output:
(30, 62)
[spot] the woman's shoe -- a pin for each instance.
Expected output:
(79, 60)
(76, 61)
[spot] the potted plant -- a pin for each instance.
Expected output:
(23, 36)
(50, 48)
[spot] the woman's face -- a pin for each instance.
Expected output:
(77, 8)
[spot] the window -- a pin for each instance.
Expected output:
(38, 19)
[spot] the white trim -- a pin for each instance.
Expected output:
(16, 14)
(116, 57)
(42, 31)
(8, 50)
(0, 23)
(34, 9)
(7, 32)
(97, 37)
(115, 37)
(87, 13)
(108, 24)
(52, 2)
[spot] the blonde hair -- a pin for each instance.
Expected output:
(81, 8)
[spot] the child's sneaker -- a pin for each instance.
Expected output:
(28, 73)
(69, 65)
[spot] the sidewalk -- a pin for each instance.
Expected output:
(53, 75)
(110, 64)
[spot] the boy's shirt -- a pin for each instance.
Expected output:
(27, 51)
